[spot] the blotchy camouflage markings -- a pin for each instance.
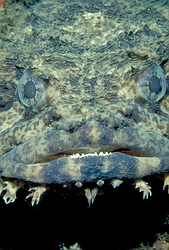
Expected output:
(102, 71)
(93, 135)
(89, 138)
(88, 168)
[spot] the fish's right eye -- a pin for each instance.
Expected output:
(152, 83)
(31, 90)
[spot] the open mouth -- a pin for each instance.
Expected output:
(92, 152)
(79, 153)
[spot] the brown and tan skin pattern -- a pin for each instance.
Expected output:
(89, 57)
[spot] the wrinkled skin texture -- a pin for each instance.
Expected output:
(89, 57)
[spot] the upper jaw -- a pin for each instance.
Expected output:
(91, 137)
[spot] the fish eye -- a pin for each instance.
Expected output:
(31, 90)
(152, 83)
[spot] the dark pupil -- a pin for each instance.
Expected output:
(154, 84)
(30, 89)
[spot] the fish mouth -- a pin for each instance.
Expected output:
(94, 151)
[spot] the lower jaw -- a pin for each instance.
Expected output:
(88, 168)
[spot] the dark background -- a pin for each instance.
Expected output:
(118, 219)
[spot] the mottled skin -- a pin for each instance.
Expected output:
(90, 56)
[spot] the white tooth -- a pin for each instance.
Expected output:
(78, 184)
(101, 153)
(100, 183)
(89, 154)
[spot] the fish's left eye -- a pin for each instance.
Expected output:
(152, 83)
(31, 90)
